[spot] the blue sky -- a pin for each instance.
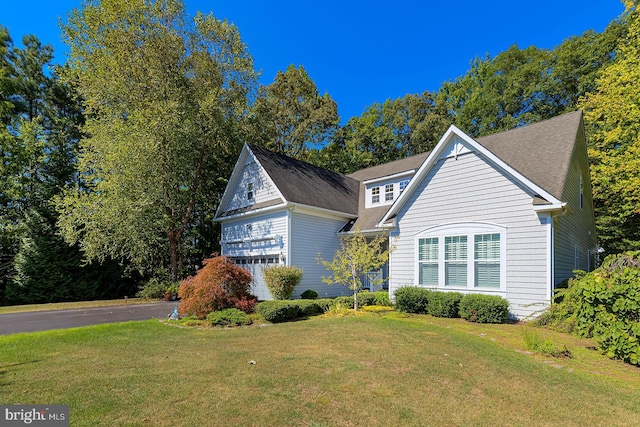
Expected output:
(361, 52)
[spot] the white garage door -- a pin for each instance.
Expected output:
(255, 265)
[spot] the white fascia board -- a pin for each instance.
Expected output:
(251, 213)
(328, 213)
(452, 132)
(265, 172)
(234, 174)
(390, 177)
(550, 208)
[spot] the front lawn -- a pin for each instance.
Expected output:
(371, 369)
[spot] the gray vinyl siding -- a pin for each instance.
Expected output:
(469, 189)
(263, 188)
(311, 235)
(577, 228)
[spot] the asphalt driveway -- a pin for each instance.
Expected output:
(60, 319)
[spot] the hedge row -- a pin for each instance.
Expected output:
(277, 311)
(472, 307)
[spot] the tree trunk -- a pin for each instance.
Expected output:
(173, 254)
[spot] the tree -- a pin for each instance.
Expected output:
(612, 117)
(164, 97)
(357, 256)
(291, 117)
(385, 132)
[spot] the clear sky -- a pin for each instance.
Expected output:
(361, 52)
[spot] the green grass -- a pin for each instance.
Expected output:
(71, 305)
(374, 369)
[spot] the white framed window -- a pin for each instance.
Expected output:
(388, 192)
(403, 185)
(375, 195)
(428, 261)
(250, 191)
(462, 256)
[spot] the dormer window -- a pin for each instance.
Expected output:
(375, 195)
(250, 191)
(388, 192)
(403, 185)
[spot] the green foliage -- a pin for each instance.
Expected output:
(534, 343)
(484, 308)
(338, 309)
(153, 288)
(357, 255)
(278, 311)
(291, 117)
(309, 294)
(382, 298)
(219, 284)
(412, 299)
(605, 304)
(344, 301)
(229, 317)
(444, 304)
(367, 298)
(167, 98)
(281, 280)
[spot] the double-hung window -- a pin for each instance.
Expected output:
(428, 261)
(455, 261)
(375, 195)
(388, 192)
(462, 256)
(486, 254)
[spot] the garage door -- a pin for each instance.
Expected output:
(255, 265)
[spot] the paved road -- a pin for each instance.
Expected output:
(61, 319)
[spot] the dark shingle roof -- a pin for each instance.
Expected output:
(541, 151)
(307, 184)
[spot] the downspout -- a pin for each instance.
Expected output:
(553, 216)
(287, 260)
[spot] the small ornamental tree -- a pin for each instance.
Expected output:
(357, 255)
(219, 284)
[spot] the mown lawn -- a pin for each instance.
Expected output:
(366, 370)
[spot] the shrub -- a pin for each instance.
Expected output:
(154, 288)
(382, 298)
(229, 317)
(444, 304)
(412, 299)
(309, 294)
(605, 304)
(366, 298)
(277, 311)
(281, 280)
(338, 309)
(484, 308)
(246, 303)
(345, 301)
(217, 285)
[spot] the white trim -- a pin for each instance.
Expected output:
(437, 152)
(389, 177)
(470, 229)
(548, 218)
(250, 213)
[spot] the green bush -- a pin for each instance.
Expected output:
(382, 298)
(155, 288)
(229, 317)
(483, 308)
(366, 298)
(277, 311)
(605, 304)
(309, 294)
(281, 280)
(412, 299)
(444, 304)
(345, 301)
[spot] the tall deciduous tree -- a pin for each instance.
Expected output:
(612, 117)
(291, 116)
(163, 95)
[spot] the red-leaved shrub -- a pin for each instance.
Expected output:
(219, 284)
(246, 304)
